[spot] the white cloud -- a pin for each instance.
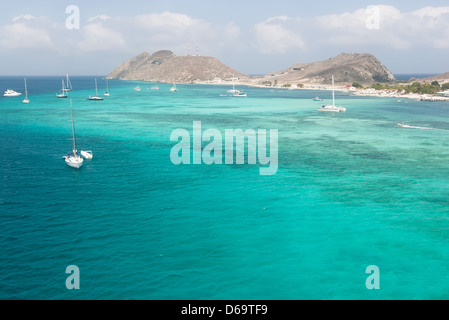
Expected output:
(360, 20)
(280, 18)
(174, 31)
(20, 35)
(169, 22)
(102, 17)
(382, 29)
(374, 26)
(26, 17)
(424, 30)
(433, 12)
(342, 21)
(274, 37)
(100, 38)
(230, 31)
(381, 26)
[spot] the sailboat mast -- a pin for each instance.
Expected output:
(73, 128)
(69, 84)
(96, 88)
(333, 92)
(26, 90)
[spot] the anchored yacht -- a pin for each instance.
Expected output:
(11, 93)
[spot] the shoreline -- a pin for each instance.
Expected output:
(320, 87)
(355, 92)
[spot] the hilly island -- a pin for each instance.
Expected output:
(361, 71)
(346, 67)
(164, 66)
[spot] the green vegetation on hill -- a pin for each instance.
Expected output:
(416, 87)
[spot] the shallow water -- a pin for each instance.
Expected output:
(352, 190)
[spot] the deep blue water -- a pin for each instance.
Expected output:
(352, 190)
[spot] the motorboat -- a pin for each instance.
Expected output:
(87, 154)
(11, 93)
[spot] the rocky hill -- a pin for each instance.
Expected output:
(347, 68)
(443, 78)
(165, 66)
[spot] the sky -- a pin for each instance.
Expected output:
(83, 37)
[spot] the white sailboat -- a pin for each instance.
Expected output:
(107, 89)
(95, 97)
(63, 91)
(69, 84)
(72, 158)
(333, 107)
(239, 94)
(26, 100)
(137, 89)
(233, 86)
(173, 89)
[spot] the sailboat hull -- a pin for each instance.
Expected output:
(332, 109)
(74, 162)
(328, 109)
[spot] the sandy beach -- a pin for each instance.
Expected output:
(357, 92)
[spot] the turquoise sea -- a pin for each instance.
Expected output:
(352, 190)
